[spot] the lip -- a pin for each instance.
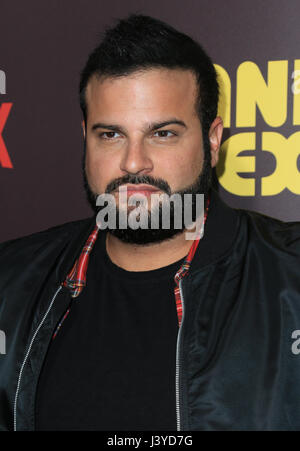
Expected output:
(137, 188)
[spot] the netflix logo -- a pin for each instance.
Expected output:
(5, 161)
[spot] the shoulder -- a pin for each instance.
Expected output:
(22, 251)
(274, 232)
(57, 232)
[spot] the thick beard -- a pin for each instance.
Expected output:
(149, 235)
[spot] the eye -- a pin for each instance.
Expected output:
(109, 135)
(164, 134)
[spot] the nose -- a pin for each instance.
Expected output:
(136, 159)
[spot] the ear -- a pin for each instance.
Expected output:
(215, 137)
(83, 128)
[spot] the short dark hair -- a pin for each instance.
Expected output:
(141, 42)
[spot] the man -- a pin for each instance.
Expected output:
(141, 328)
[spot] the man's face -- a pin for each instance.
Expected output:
(144, 127)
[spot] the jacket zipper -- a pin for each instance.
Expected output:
(178, 362)
(27, 354)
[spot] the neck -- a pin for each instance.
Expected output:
(133, 257)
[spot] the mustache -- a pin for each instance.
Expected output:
(139, 179)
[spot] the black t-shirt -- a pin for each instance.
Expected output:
(112, 363)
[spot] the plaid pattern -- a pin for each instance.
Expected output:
(76, 279)
(60, 323)
(185, 268)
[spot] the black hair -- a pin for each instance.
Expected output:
(141, 42)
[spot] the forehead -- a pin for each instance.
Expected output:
(152, 91)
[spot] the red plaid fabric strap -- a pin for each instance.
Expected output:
(185, 268)
(76, 279)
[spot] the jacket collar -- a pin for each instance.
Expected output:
(74, 248)
(219, 235)
(220, 232)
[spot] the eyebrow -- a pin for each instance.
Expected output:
(151, 127)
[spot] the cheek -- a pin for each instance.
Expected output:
(186, 166)
(94, 170)
(100, 170)
(90, 167)
(194, 161)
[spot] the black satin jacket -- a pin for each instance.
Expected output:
(239, 346)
